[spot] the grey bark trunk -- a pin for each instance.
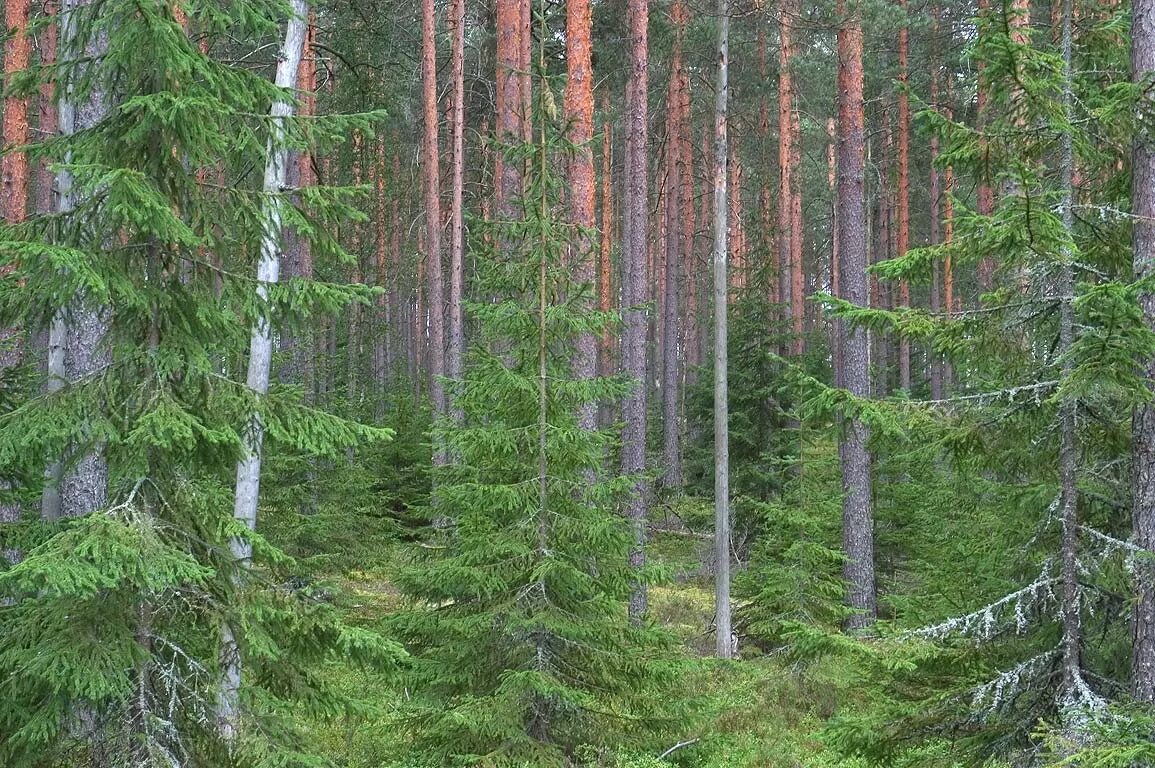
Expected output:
(671, 378)
(635, 291)
(723, 640)
(456, 353)
(261, 348)
(1143, 420)
(76, 336)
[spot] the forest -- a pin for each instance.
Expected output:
(577, 383)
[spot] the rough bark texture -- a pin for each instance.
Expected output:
(936, 363)
(1143, 420)
(903, 240)
(76, 337)
(579, 112)
(14, 177)
(786, 233)
(635, 231)
(14, 165)
(724, 645)
(605, 265)
(765, 194)
(857, 515)
(431, 164)
(261, 348)
(675, 241)
(456, 353)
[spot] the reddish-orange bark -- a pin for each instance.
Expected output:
(47, 111)
(902, 243)
(765, 195)
(786, 233)
(14, 165)
(578, 104)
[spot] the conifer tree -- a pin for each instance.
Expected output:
(112, 622)
(522, 649)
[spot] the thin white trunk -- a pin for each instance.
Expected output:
(261, 346)
(724, 644)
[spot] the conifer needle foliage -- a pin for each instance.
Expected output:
(522, 649)
(111, 621)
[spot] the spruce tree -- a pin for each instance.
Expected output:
(517, 617)
(112, 622)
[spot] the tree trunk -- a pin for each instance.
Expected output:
(936, 363)
(675, 240)
(723, 637)
(14, 164)
(857, 515)
(261, 349)
(985, 202)
(77, 334)
(635, 236)
(579, 113)
(14, 178)
(903, 240)
(786, 233)
(1143, 420)
(456, 356)
(430, 152)
(606, 268)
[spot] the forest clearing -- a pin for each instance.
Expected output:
(583, 383)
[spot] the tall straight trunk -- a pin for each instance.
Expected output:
(948, 267)
(579, 112)
(903, 238)
(512, 103)
(857, 514)
(835, 263)
(687, 224)
(353, 359)
(14, 176)
(77, 333)
(736, 241)
(381, 278)
(675, 255)
(635, 293)
(298, 250)
(879, 289)
(798, 232)
(456, 353)
(985, 196)
(398, 345)
(936, 362)
(765, 194)
(45, 197)
(1143, 420)
(1068, 440)
(430, 151)
(786, 19)
(248, 481)
(723, 636)
(605, 264)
